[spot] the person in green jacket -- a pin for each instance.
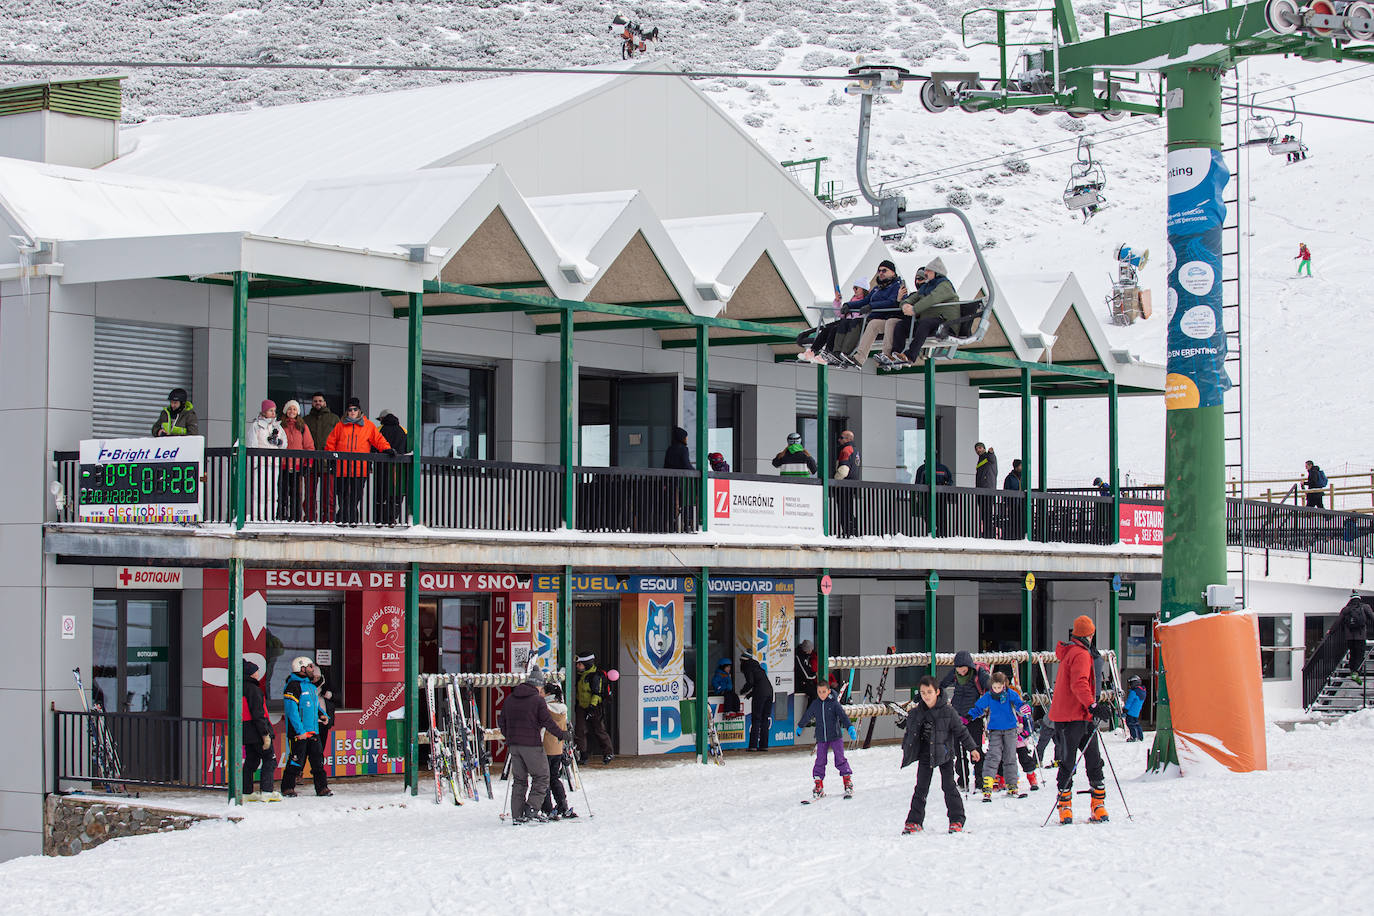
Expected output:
(795, 460)
(178, 418)
(932, 304)
(591, 709)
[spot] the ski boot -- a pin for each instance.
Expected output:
(1099, 796)
(253, 797)
(552, 816)
(1034, 782)
(1066, 807)
(848, 787)
(999, 784)
(956, 826)
(911, 828)
(567, 814)
(271, 796)
(987, 789)
(1013, 791)
(608, 758)
(818, 790)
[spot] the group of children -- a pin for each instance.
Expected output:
(936, 731)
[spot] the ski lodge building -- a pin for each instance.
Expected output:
(541, 287)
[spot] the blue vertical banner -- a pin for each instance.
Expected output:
(1197, 338)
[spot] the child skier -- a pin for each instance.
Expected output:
(1135, 701)
(1003, 707)
(831, 726)
(933, 729)
(1304, 259)
(1025, 717)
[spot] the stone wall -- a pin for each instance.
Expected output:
(72, 823)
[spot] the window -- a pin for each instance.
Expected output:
(135, 653)
(722, 423)
(910, 636)
(455, 412)
(807, 427)
(304, 628)
(1276, 639)
(911, 444)
(291, 378)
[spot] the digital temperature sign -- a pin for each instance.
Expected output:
(141, 481)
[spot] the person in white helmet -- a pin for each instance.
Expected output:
(301, 700)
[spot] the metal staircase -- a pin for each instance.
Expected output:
(1331, 688)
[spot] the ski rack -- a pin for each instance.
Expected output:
(891, 210)
(494, 678)
(946, 659)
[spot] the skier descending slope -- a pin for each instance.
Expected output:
(1075, 710)
(826, 713)
(932, 730)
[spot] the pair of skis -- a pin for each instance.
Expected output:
(104, 755)
(717, 753)
(458, 750)
(440, 758)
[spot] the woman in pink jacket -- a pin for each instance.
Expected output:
(293, 470)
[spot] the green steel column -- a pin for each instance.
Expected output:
(1114, 459)
(1026, 604)
(1042, 457)
(238, 472)
(234, 738)
(932, 585)
(930, 420)
(1115, 617)
(822, 627)
(823, 447)
(703, 427)
(412, 694)
(1028, 504)
(701, 640)
(566, 657)
(1194, 455)
(566, 454)
(414, 387)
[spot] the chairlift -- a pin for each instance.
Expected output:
(1287, 139)
(1086, 181)
(1260, 129)
(891, 215)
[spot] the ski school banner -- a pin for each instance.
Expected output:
(651, 634)
(1196, 336)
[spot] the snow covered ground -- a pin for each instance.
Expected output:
(701, 839)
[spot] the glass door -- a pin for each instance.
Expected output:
(134, 662)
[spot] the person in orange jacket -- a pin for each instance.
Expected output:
(354, 433)
(1075, 710)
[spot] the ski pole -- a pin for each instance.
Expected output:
(1103, 746)
(505, 776)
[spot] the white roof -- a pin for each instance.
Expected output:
(855, 257)
(366, 134)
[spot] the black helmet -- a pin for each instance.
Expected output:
(177, 394)
(1134, 681)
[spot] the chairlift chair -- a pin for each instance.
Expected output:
(890, 214)
(1260, 129)
(1086, 181)
(1287, 139)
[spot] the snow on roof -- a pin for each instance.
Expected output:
(271, 148)
(708, 243)
(855, 257)
(1029, 297)
(575, 223)
(380, 213)
(58, 202)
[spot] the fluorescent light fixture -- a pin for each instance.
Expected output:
(417, 253)
(1038, 339)
(710, 291)
(1122, 356)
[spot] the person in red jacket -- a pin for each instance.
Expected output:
(354, 433)
(1074, 711)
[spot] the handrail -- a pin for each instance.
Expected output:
(1316, 670)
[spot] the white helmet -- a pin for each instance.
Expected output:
(299, 662)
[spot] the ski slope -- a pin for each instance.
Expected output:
(1304, 336)
(733, 839)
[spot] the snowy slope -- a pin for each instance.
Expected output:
(703, 839)
(1008, 171)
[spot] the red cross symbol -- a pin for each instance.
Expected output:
(125, 576)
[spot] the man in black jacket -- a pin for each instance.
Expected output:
(934, 731)
(523, 714)
(759, 689)
(1357, 622)
(1014, 527)
(969, 682)
(389, 498)
(257, 739)
(985, 478)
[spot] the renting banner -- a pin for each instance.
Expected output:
(1196, 336)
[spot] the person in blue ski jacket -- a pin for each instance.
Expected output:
(304, 712)
(1135, 701)
(1002, 706)
(826, 713)
(723, 686)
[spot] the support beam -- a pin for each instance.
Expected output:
(823, 442)
(1027, 605)
(475, 308)
(1028, 504)
(412, 689)
(703, 430)
(239, 407)
(234, 739)
(414, 382)
(567, 658)
(566, 452)
(1114, 459)
(1114, 621)
(701, 640)
(932, 586)
(822, 631)
(1042, 458)
(751, 341)
(931, 421)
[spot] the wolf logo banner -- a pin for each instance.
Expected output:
(660, 634)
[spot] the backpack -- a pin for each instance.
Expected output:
(1321, 477)
(978, 671)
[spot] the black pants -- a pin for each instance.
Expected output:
(975, 731)
(301, 750)
(825, 338)
(1028, 762)
(1047, 733)
(1357, 649)
(350, 490)
(289, 495)
(592, 720)
(987, 516)
(761, 708)
(729, 702)
(921, 328)
(954, 802)
(256, 756)
(846, 521)
(1069, 739)
(556, 797)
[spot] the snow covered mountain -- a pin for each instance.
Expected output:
(1007, 171)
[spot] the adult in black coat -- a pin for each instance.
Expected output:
(759, 689)
(523, 714)
(257, 734)
(678, 457)
(934, 731)
(389, 499)
(985, 478)
(1013, 510)
(1356, 620)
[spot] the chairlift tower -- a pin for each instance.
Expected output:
(1096, 76)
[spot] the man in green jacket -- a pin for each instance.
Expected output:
(795, 460)
(319, 485)
(932, 304)
(591, 709)
(178, 418)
